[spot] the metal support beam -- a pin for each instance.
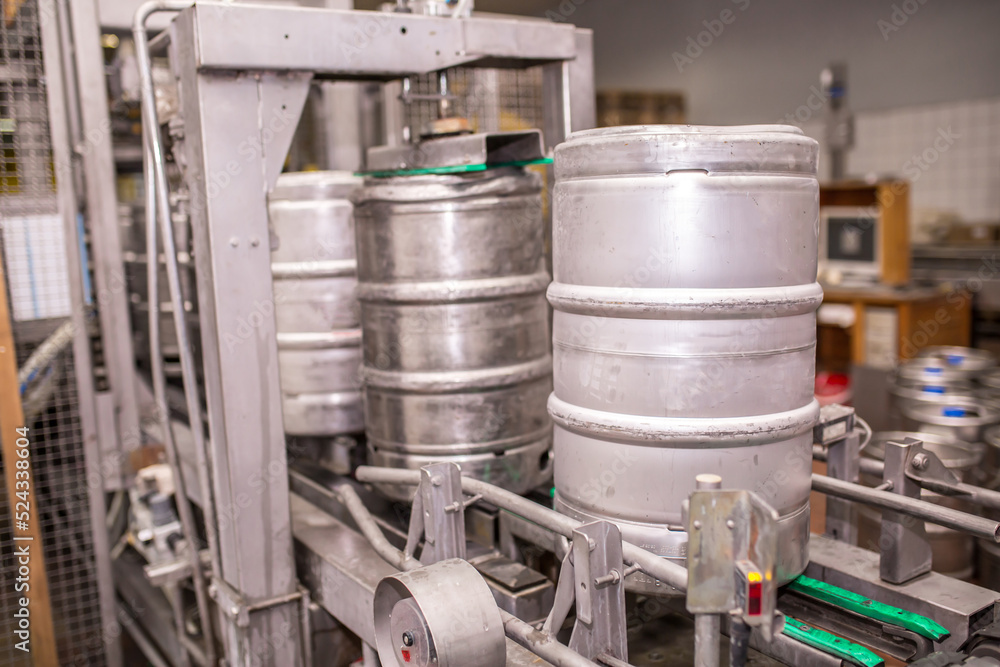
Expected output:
(237, 131)
(443, 508)
(842, 463)
(906, 553)
(600, 592)
(101, 209)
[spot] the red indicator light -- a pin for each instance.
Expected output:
(755, 593)
(406, 655)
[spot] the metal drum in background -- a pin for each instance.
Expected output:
(456, 337)
(914, 384)
(989, 385)
(970, 363)
(685, 328)
(315, 278)
(953, 552)
(963, 418)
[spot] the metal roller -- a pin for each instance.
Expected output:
(684, 331)
(315, 278)
(456, 337)
(441, 615)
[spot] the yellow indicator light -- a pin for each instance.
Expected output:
(754, 577)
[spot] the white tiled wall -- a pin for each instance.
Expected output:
(961, 172)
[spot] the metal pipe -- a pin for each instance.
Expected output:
(542, 644)
(969, 492)
(739, 643)
(416, 528)
(158, 205)
(667, 571)
(138, 635)
(921, 509)
(707, 627)
(371, 531)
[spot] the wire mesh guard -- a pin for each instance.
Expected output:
(494, 100)
(35, 265)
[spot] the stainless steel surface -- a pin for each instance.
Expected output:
(599, 581)
(967, 361)
(958, 606)
(442, 509)
(470, 149)
(684, 331)
(328, 41)
(455, 331)
(952, 550)
(903, 545)
(943, 516)
(242, 389)
(101, 220)
(544, 645)
(962, 418)
(315, 308)
(665, 571)
(158, 211)
(439, 614)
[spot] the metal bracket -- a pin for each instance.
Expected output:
(926, 469)
(729, 533)
(843, 462)
(835, 431)
(236, 608)
(905, 551)
(600, 627)
(443, 506)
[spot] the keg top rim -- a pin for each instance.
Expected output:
(714, 130)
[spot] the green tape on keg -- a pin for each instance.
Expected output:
(832, 644)
(458, 169)
(873, 609)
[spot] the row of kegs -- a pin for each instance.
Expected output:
(948, 397)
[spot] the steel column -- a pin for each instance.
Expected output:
(237, 131)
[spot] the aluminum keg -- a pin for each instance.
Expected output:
(953, 552)
(963, 418)
(966, 361)
(911, 386)
(989, 385)
(456, 337)
(684, 331)
(315, 278)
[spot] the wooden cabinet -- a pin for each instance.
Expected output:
(895, 323)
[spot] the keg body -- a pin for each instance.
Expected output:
(684, 330)
(455, 326)
(315, 279)
(966, 362)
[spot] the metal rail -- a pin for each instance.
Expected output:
(921, 509)
(540, 643)
(158, 206)
(664, 570)
(970, 492)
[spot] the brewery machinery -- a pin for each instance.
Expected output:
(626, 483)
